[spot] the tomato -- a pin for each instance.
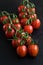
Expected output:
(9, 34)
(21, 7)
(36, 24)
(3, 18)
(15, 20)
(16, 42)
(22, 51)
(5, 26)
(33, 50)
(28, 40)
(17, 26)
(22, 14)
(23, 21)
(28, 29)
(33, 16)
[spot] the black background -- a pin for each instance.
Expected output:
(7, 53)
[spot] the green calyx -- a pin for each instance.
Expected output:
(22, 42)
(20, 31)
(29, 21)
(9, 29)
(5, 21)
(14, 16)
(17, 21)
(23, 10)
(24, 16)
(25, 35)
(15, 37)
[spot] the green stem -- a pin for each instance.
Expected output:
(10, 20)
(5, 13)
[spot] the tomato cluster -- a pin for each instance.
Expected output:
(19, 29)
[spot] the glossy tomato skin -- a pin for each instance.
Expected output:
(22, 51)
(15, 20)
(36, 24)
(23, 21)
(16, 42)
(28, 29)
(5, 26)
(33, 50)
(9, 34)
(18, 26)
(23, 14)
(3, 18)
(21, 7)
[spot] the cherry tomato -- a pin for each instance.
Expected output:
(33, 50)
(15, 20)
(21, 7)
(22, 14)
(28, 28)
(16, 42)
(23, 21)
(28, 40)
(36, 24)
(5, 26)
(22, 51)
(10, 34)
(3, 18)
(17, 26)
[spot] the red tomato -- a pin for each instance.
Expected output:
(28, 40)
(21, 7)
(23, 21)
(5, 26)
(36, 24)
(15, 20)
(22, 51)
(33, 50)
(10, 34)
(28, 28)
(22, 14)
(18, 26)
(16, 42)
(3, 18)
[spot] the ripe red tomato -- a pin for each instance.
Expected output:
(23, 14)
(5, 26)
(28, 40)
(3, 18)
(22, 51)
(17, 26)
(23, 21)
(36, 24)
(10, 34)
(16, 42)
(28, 28)
(15, 20)
(21, 7)
(33, 50)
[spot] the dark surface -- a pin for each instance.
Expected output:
(7, 53)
